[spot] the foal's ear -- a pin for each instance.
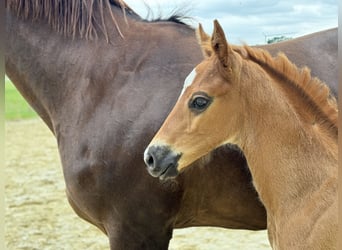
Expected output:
(219, 44)
(204, 41)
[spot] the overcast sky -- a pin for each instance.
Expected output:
(251, 21)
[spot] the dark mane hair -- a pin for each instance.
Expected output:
(177, 15)
(175, 18)
(77, 17)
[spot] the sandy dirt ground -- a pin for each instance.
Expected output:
(38, 215)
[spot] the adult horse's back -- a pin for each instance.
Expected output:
(103, 99)
(320, 46)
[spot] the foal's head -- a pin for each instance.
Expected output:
(208, 103)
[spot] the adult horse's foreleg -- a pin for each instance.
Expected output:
(126, 236)
(123, 234)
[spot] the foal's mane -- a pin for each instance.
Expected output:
(82, 17)
(315, 92)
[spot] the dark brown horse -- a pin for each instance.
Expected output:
(103, 80)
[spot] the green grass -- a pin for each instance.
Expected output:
(16, 108)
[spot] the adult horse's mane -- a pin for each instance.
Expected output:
(316, 93)
(82, 17)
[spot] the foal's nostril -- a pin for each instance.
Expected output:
(149, 160)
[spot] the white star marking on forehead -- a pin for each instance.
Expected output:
(188, 80)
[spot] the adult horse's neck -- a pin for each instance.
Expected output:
(40, 61)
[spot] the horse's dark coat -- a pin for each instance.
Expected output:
(104, 102)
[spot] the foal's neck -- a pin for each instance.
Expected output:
(287, 159)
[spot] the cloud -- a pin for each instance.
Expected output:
(253, 20)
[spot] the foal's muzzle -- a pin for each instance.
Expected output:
(161, 161)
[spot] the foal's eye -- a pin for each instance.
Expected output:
(199, 103)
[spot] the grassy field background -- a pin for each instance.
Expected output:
(16, 108)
